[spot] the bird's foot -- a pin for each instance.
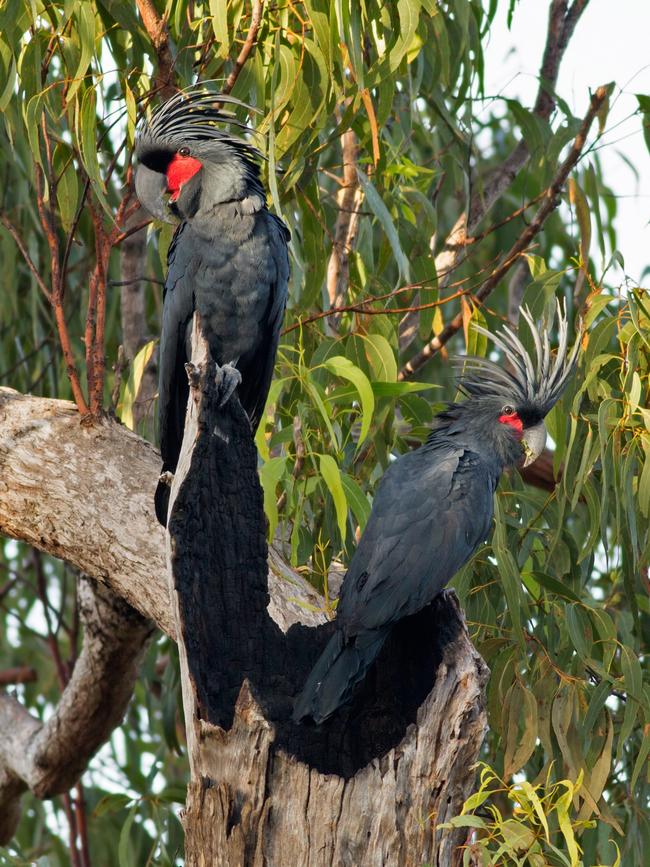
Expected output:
(228, 378)
(166, 478)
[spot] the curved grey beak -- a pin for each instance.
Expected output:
(151, 189)
(533, 442)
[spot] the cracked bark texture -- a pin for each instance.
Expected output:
(371, 785)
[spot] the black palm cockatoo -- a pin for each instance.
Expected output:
(434, 506)
(228, 259)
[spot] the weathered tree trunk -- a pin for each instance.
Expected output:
(370, 786)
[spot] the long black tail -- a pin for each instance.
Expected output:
(338, 670)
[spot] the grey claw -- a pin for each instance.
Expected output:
(228, 378)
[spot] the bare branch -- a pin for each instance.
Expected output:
(348, 199)
(49, 757)
(549, 204)
(561, 24)
(256, 20)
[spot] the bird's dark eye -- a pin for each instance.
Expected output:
(184, 152)
(508, 410)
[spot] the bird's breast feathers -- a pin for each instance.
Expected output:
(231, 277)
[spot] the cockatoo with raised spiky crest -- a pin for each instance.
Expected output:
(228, 259)
(434, 506)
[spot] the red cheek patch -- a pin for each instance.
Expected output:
(179, 171)
(515, 423)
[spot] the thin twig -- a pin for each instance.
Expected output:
(299, 461)
(247, 47)
(122, 236)
(549, 204)
(23, 249)
(47, 222)
(361, 307)
(41, 583)
(140, 279)
(72, 826)
(82, 824)
(561, 24)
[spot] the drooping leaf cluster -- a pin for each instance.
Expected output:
(558, 602)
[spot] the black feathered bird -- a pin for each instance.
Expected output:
(434, 506)
(228, 259)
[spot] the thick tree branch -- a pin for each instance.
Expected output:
(49, 757)
(85, 494)
(549, 204)
(561, 24)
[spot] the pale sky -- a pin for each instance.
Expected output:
(610, 43)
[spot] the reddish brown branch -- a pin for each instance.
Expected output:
(549, 204)
(46, 217)
(156, 28)
(95, 320)
(82, 824)
(361, 307)
(20, 674)
(247, 47)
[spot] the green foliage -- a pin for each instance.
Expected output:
(558, 603)
(542, 829)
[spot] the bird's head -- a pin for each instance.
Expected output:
(509, 404)
(187, 161)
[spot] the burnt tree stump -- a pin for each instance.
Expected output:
(369, 786)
